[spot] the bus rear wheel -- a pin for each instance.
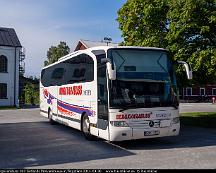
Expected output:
(86, 127)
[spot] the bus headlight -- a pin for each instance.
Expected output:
(119, 123)
(175, 120)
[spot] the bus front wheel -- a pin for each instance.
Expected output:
(86, 127)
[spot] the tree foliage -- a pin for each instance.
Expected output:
(31, 94)
(56, 52)
(187, 28)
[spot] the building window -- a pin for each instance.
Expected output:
(3, 91)
(188, 91)
(202, 91)
(214, 91)
(3, 63)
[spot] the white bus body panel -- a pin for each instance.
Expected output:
(78, 104)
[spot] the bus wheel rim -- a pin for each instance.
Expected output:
(86, 125)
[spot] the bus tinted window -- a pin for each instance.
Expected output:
(45, 77)
(79, 69)
(100, 54)
(53, 75)
(76, 69)
(58, 73)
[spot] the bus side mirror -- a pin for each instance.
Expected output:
(111, 72)
(187, 68)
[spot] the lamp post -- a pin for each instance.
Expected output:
(107, 40)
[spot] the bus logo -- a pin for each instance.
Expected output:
(133, 116)
(151, 123)
(73, 90)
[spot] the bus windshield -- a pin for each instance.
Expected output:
(144, 78)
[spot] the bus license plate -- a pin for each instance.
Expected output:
(165, 123)
(151, 133)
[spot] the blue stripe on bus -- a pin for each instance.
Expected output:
(72, 108)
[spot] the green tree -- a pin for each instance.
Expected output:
(192, 36)
(187, 28)
(31, 94)
(143, 23)
(56, 52)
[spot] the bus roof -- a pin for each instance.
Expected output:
(68, 56)
(126, 47)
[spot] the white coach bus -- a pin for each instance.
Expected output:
(115, 93)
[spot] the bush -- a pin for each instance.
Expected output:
(31, 94)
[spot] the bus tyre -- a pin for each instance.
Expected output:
(86, 127)
(50, 117)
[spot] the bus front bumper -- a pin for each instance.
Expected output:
(129, 133)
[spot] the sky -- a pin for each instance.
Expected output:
(44, 23)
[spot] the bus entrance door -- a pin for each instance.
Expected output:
(103, 123)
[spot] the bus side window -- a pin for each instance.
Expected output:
(57, 76)
(43, 77)
(88, 70)
(46, 77)
(70, 71)
(58, 73)
(79, 69)
(82, 72)
(76, 73)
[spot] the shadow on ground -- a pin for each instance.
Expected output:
(38, 143)
(189, 137)
(207, 121)
(29, 144)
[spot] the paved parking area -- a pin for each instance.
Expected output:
(27, 140)
(197, 107)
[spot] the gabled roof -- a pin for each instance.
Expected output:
(85, 44)
(8, 37)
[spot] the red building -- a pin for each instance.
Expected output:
(85, 44)
(198, 93)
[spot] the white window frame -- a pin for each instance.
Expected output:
(4, 87)
(213, 92)
(3, 64)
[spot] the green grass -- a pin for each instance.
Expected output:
(201, 119)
